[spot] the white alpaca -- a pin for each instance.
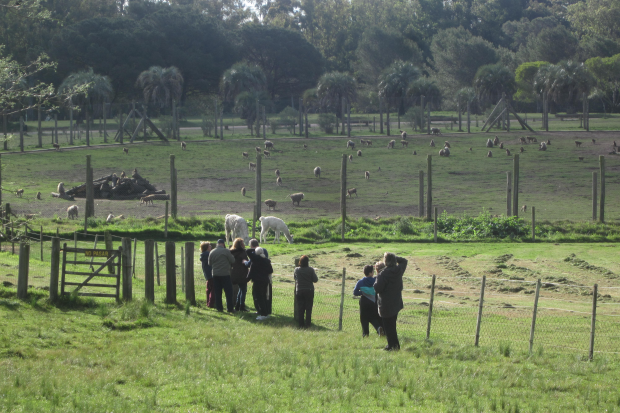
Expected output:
(109, 218)
(275, 224)
(236, 227)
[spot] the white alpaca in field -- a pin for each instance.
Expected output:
(236, 227)
(275, 224)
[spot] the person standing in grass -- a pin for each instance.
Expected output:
(389, 288)
(305, 277)
(368, 302)
(260, 270)
(239, 274)
(253, 245)
(205, 250)
(221, 261)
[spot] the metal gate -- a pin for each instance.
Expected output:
(113, 262)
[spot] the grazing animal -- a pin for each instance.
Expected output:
(277, 225)
(243, 191)
(146, 200)
(391, 144)
(277, 172)
(615, 144)
(56, 146)
(350, 158)
(296, 197)
(72, 212)
(489, 143)
(126, 150)
(446, 151)
(531, 139)
(271, 204)
(359, 153)
(442, 152)
(404, 143)
(350, 144)
(379, 169)
(432, 143)
(496, 140)
(123, 175)
(594, 141)
(446, 144)
(305, 146)
(578, 144)
(258, 150)
(367, 174)
(489, 154)
(470, 149)
(521, 150)
(543, 146)
(236, 227)
(109, 218)
(317, 172)
(507, 152)
(436, 131)
(268, 145)
(548, 141)
(61, 188)
(415, 153)
(19, 193)
(363, 141)
(403, 135)
(581, 158)
(39, 196)
(368, 142)
(245, 154)
(501, 145)
(252, 166)
(279, 181)
(524, 208)
(351, 192)
(183, 146)
(522, 140)
(267, 153)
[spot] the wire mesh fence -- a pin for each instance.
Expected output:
(456, 314)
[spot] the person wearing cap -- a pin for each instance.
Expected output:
(260, 270)
(221, 261)
(368, 302)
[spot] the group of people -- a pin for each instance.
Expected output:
(381, 297)
(229, 271)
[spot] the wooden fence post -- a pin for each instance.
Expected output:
(535, 312)
(22, 277)
(41, 241)
(348, 120)
(109, 245)
(149, 270)
(387, 120)
(594, 195)
(480, 306)
(166, 222)
(173, 189)
(87, 116)
(182, 270)
(121, 128)
(55, 269)
(422, 123)
(39, 130)
(515, 180)
(157, 264)
(75, 245)
(468, 119)
(435, 224)
(458, 108)
(21, 133)
(190, 292)
(380, 116)
(126, 268)
(601, 160)
(171, 274)
(533, 224)
(71, 123)
(55, 135)
(429, 186)
(135, 248)
(258, 188)
(301, 127)
(90, 190)
(593, 323)
(421, 194)
(105, 126)
(343, 195)
(6, 132)
(428, 119)
(344, 274)
(215, 117)
(430, 308)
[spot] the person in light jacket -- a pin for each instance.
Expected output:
(221, 261)
(389, 288)
(205, 250)
(305, 277)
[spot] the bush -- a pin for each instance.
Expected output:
(483, 226)
(273, 125)
(327, 122)
(414, 117)
(404, 226)
(288, 118)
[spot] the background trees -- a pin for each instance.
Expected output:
(161, 85)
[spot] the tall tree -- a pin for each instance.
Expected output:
(242, 77)
(492, 81)
(161, 85)
(550, 44)
(395, 80)
(565, 82)
(333, 87)
(427, 88)
(606, 73)
(97, 89)
(524, 79)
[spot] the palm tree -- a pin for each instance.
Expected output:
(565, 82)
(311, 100)
(98, 88)
(161, 85)
(491, 81)
(427, 88)
(394, 82)
(335, 86)
(242, 77)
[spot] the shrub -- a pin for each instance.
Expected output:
(403, 226)
(327, 122)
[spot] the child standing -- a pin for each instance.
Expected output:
(369, 313)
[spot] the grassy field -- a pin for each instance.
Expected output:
(212, 173)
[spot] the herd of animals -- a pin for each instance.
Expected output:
(235, 223)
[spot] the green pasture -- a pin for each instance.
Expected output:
(211, 175)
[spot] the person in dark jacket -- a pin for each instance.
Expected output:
(260, 270)
(253, 245)
(205, 250)
(305, 277)
(389, 288)
(368, 302)
(239, 274)
(221, 261)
